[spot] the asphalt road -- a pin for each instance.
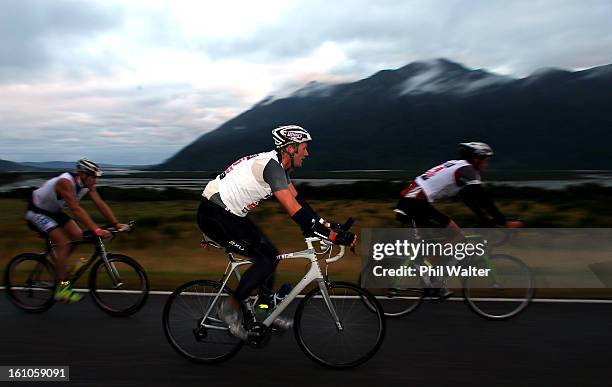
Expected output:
(439, 345)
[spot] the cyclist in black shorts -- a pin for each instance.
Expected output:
(227, 200)
(453, 178)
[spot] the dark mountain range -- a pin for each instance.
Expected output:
(414, 116)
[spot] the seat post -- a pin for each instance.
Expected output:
(230, 255)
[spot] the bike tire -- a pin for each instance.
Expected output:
(397, 302)
(134, 291)
(503, 295)
(182, 314)
(325, 343)
(30, 282)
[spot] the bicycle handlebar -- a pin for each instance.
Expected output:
(90, 236)
(337, 256)
(129, 226)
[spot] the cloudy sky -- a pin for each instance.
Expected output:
(135, 81)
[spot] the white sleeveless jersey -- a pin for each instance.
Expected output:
(242, 186)
(47, 199)
(442, 181)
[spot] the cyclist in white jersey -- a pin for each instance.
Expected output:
(227, 200)
(45, 216)
(452, 178)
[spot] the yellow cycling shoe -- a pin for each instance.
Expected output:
(65, 293)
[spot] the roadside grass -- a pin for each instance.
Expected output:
(166, 238)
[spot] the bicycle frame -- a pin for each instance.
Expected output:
(99, 252)
(314, 274)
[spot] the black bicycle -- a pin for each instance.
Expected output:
(117, 283)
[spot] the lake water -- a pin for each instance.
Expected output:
(604, 179)
(156, 183)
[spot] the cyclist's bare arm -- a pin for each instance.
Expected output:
(287, 198)
(104, 208)
(64, 189)
(294, 191)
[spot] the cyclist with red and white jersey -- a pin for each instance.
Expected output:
(452, 178)
(46, 216)
(227, 200)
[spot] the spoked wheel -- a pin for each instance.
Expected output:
(504, 292)
(199, 339)
(121, 292)
(30, 282)
(350, 342)
(404, 297)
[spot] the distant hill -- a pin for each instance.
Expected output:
(69, 165)
(9, 166)
(414, 116)
(42, 166)
(55, 165)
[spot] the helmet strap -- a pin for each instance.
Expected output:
(291, 158)
(291, 155)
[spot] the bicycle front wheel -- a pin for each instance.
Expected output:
(120, 290)
(504, 292)
(192, 325)
(30, 282)
(351, 340)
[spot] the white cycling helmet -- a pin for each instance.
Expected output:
(290, 134)
(475, 149)
(88, 166)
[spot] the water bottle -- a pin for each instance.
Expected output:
(282, 293)
(77, 266)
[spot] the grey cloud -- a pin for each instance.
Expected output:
(135, 125)
(34, 35)
(519, 35)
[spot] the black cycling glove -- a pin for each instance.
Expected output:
(344, 238)
(311, 224)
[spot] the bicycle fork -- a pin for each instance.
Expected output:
(330, 306)
(110, 267)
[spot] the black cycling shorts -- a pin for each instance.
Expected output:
(420, 213)
(240, 235)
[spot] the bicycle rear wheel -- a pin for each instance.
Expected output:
(404, 298)
(182, 318)
(30, 282)
(351, 342)
(504, 292)
(119, 299)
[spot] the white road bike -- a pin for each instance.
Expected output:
(336, 324)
